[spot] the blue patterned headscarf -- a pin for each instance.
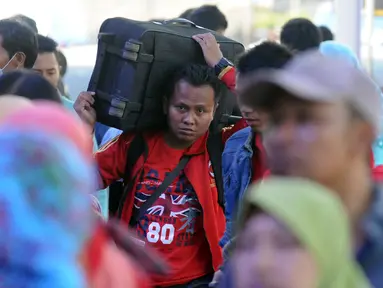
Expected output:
(45, 211)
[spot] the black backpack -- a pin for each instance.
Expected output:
(134, 59)
(138, 148)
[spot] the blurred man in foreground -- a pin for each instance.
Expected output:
(323, 116)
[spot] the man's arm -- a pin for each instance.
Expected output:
(227, 76)
(111, 159)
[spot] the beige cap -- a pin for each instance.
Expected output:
(313, 76)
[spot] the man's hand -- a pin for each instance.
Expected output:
(210, 48)
(84, 109)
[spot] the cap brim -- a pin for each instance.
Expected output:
(260, 90)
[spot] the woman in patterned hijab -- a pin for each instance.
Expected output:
(45, 209)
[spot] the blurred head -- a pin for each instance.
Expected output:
(262, 56)
(191, 101)
(300, 34)
(210, 17)
(9, 104)
(323, 116)
(186, 14)
(26, 21)
(326, 33)
(286, 240)
(341, 51)
(47, 62)
(55, 121)
(18, 45)
(28, 84)
(50, 184)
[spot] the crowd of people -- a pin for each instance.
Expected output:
(302, 203)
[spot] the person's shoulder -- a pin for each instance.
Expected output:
(67, 103)
(239, 136)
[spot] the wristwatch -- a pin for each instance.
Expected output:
(221, 65)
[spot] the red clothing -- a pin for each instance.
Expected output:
(175, 222)
(229, 131)
(184, 256)
(106, 266)
(259, 162)
(227, 76)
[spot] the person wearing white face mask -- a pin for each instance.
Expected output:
(18, 46)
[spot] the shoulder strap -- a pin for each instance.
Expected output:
(137, 148)
(215, 148)
(139, 213)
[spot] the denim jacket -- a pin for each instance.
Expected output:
(237, 167)
(370, 256)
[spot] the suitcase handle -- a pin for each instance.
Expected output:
(179, 21)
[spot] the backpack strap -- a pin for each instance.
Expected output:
(215, 148)
(137, 148)
(139, 213)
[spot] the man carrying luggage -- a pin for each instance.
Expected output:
(185, 221)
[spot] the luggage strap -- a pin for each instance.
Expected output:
(138, 148)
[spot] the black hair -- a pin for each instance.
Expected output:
(210, 17)
(26, 21)
(300, 34)
(46, 44)
(326, 33)
(186, 14)
(196, 75)
(28, 84)
(265, 55)
(18, 37)
(62, 62)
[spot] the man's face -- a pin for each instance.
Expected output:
(252, 117)
(47, 65)
(309, 139)
(190, 111)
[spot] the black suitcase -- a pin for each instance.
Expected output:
(133, 62)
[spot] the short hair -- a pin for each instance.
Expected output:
(18, 37)
(46, 44)
(300, 34)
(210, 17)
(265, 55)
(196, 75)
(26, 21)
(28, 84)
(326, 33)
(186, 14)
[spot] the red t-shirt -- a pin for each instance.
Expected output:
(174, 223)
(259, 162)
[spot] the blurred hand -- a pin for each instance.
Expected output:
(210, 48)
(84, 109)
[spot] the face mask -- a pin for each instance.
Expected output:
(5, 66)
